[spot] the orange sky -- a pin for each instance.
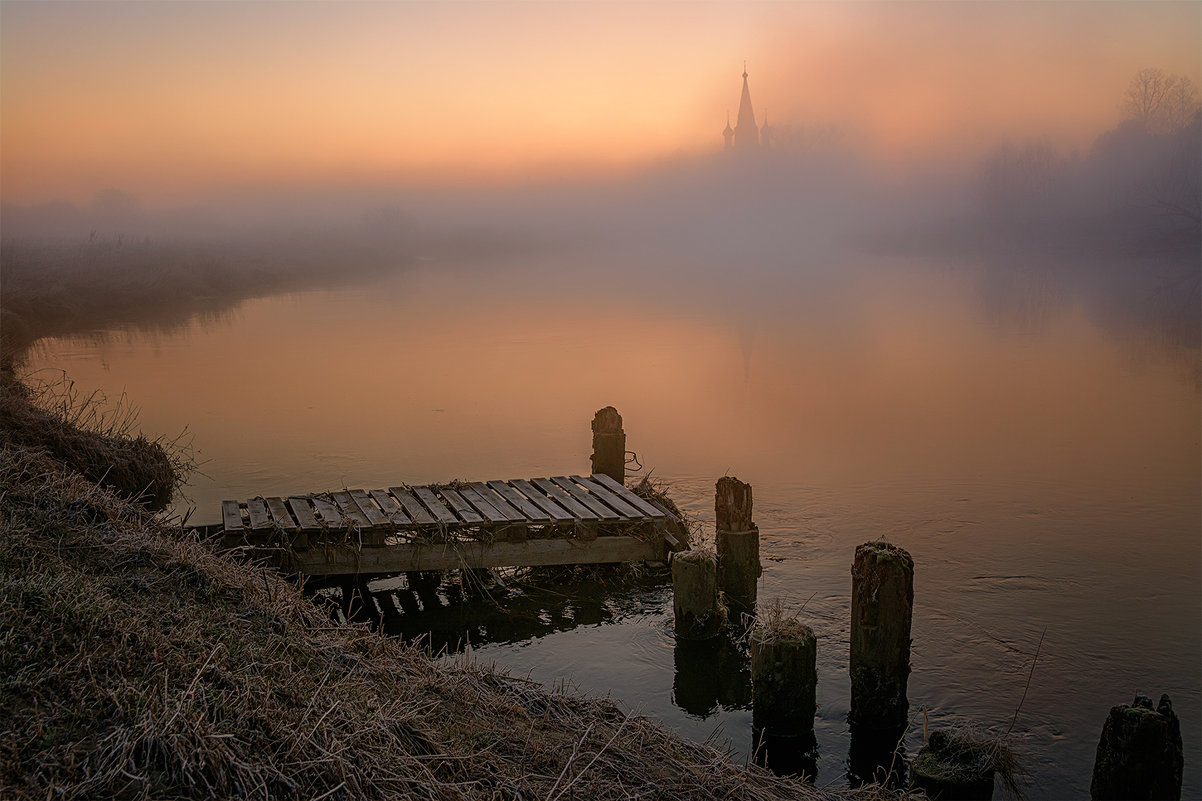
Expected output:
(170, 98)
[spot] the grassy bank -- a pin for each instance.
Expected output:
(136, 661)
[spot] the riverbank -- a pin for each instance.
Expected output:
(138, 661)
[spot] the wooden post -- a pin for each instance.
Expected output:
(609, 444)
(738, 542)
(695, 605)
(948, 768)
(1140, 752)
(784, 677)
(882, 601)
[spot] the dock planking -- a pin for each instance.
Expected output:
(578, 510)
(508, 513)
(539, 498)
(461, 506)
(374, 516)
(280, 516)
(594, 505)
(256, 509)
(330, 517)
(613, 501)
(303, 513)
(392, 508)
(532, 513)
(413, 507)
(558, 520)
(441, 513)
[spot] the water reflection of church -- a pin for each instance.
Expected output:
(746, 137)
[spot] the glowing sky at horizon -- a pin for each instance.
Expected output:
(172, 98)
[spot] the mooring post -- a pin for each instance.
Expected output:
(784, 676)
(609, 444)
(738, 542)
(1140, 752)
(882, 602)
(695, 605)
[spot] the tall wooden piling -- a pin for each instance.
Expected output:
(695, 604)
(784, 676)
(609, 444)
(882, 602)
(1140, 753)
(738, 542)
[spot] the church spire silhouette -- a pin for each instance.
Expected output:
(746, 132)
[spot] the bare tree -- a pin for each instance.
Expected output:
(1163, 102)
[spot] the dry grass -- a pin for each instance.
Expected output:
(774, 622)
(93, 437)
(686, 529)
(963, 753)
(136, 662)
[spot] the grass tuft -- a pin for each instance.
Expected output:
(93, 437)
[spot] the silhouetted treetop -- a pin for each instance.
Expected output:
(1163, 102)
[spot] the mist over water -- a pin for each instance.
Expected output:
(1036, 453)
(978, 338)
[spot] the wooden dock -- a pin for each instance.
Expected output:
(561, 520)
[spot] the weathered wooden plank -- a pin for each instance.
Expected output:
(436, 507)
(256, 509)
(445, 556)
(330, 516)
(596, 506)
(517, 499)
(231, 517)
(417, 513)
(390, 507)
(369, 509)
(351, 515)
(480, 503)
(304, 514)
(539, 498)
(650, 509)
(613, 501)
(578, 510)
(507, 512)
(461, 506)
(280, 515)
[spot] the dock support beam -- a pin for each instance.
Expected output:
(738, 541)
(609, 444)
(695, 605)
(882, 603)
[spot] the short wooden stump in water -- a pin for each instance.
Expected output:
(784, 676)
(695, 604)
(951, 767)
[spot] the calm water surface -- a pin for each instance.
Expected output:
(1029, 435)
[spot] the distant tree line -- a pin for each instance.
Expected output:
(1137, 186)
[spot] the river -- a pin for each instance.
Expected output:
(1029, 433)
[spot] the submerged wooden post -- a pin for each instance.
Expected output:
(1140, 753)
(784, 676)
(609, 444)
(954, 768)
(738, 542)
(882, 602)
(695, 605)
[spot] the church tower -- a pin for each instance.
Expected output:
(747, 136)
(728, 133)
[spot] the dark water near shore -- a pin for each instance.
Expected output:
(1030, 433)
